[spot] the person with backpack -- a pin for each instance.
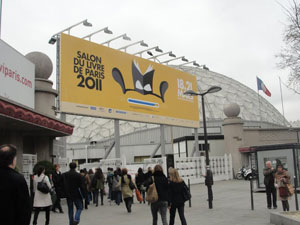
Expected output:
(161, 185)
(98, 184)
(127, 187)
(116, 188)
(41, 199)
(176, 196)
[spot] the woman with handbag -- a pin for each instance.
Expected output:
(161, 189)
(176, 196)
(127, 186)
(41, 185)
(139, 180)
(116, 188)
(282, 180)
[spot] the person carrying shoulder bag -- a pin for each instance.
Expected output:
(176, 196)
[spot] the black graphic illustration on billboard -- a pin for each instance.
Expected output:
(143, 84)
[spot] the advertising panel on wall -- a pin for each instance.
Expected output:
(16, 76)
(96, 80)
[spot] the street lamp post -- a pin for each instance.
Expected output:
(142, 43)
(123, 36)
(209, 175)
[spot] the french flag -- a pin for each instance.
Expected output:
(262, 86)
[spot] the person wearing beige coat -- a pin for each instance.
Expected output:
(41, 200)
(127, 192)
(282, 180)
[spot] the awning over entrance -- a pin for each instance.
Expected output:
(14, 117)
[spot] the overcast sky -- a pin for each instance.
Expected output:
(237, 38)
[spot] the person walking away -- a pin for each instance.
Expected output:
(161, 205)
(41, 200)
(282, 179)
(85, 181)
(58, 186)
(127, 192)
(116, 188)
(139, 180)
(109, 181)
(74, 189)
(90, 193)
(98, 184)
(176, 199)
(269, 173)
(15, 207)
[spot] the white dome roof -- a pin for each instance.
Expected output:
(90, 128)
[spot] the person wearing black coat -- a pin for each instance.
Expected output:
(269, 181)
(15, 203)
(75, 192)
(176, 199)
(139, 181)
(59, 189)
(161, 205)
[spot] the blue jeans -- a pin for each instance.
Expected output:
(117, 196)
(79, 206)
(162, 207)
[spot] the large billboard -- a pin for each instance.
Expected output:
(16, 76)
(99, 81)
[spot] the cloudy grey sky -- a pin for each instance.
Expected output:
(237, 38)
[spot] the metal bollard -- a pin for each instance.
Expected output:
(251, 193)
(190, 201)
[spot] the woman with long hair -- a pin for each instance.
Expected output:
(139, 180)
(176, 199)
(282, 180)
(161, 205)
(98, 184)
(41, 200)
(90, 195)
(116, 188)
(127, 192)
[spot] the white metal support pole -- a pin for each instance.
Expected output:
(117, 139)
(86, 154)
(162, 140)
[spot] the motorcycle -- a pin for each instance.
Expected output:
(245, 173)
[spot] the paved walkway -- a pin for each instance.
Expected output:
(231, 206)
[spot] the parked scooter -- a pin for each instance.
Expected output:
(246, 173)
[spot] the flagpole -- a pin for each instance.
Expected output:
(281, 100)
(258, 96)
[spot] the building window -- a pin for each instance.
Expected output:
(140, 159)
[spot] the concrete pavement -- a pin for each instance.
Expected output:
(231, 206)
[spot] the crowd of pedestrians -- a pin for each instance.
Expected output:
(83, 189)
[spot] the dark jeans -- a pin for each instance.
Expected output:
(143, 194)
(79, 206)
(96, 196)
(180, 212)
(36, 214)
(128, 202)
(285, 205)
(271, 195)
(117, 195)
(57, 204)
(159, 206)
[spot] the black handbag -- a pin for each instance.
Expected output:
(186, 192)
(43, 187)
(131, 184)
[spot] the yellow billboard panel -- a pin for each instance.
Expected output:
(99, 81)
